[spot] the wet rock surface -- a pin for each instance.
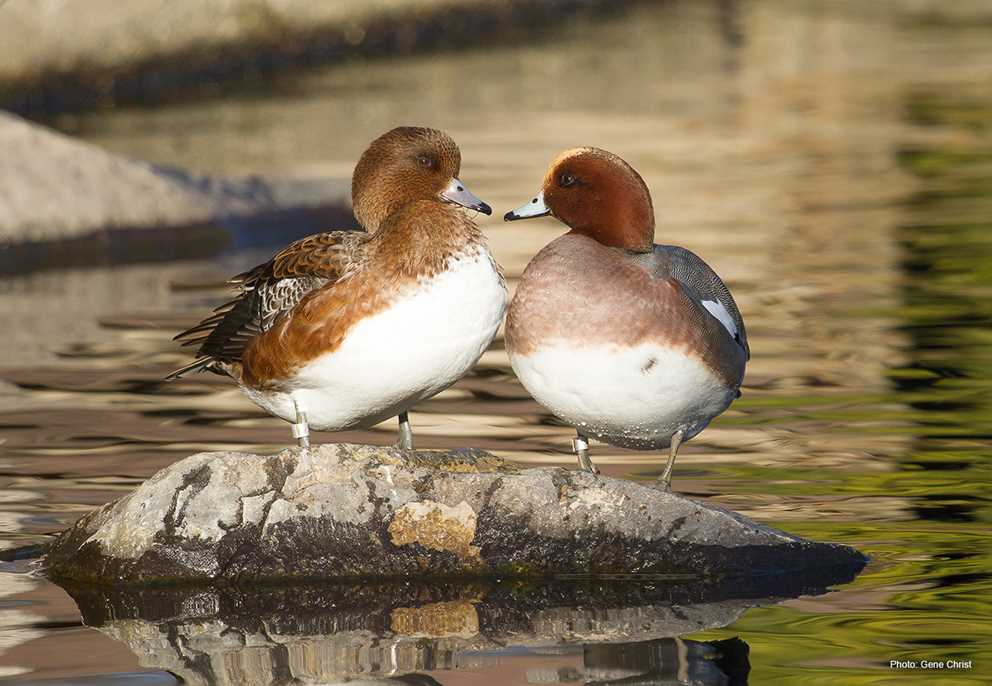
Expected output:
(340, 511)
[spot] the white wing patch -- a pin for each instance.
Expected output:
(720, 312)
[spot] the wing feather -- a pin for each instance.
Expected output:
(691, 271)
(266, 292)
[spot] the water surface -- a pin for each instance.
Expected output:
(833, 162)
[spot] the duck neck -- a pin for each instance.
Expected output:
(621, 223)
(420, 237)
(629, 238)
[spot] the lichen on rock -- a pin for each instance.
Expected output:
(438, 527)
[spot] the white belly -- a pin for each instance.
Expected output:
(632, 397)
(414, 349)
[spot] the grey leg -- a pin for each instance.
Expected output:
(301, 430)
(406, 433)
(580, 444)
(666, 476)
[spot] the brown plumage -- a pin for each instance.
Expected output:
(588, 307)
(295, 302)
(406, 164)
(607, 206)
(412, 244)
(598, 194)
(636, 344)
(266, 292)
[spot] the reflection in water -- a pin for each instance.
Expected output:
(832, 160)
(621, 633)
(666, 661)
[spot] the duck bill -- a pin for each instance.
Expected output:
(457, 193)
(535, 208)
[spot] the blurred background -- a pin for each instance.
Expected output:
(832, 160)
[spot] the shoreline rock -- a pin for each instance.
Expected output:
(342, 511)
(117, 57)
(65, 202)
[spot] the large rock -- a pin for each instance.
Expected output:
(58, 190)
(346, 511)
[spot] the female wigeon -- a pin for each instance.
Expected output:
(636, 344)
(347, 328)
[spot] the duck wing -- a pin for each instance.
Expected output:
(267, 292)
(704, 285)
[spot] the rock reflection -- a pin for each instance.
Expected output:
(667, 661)
(602, 632)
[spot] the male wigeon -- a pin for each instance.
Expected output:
(345, 329)
(636, 344)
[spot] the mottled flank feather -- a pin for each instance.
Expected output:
(268, 291)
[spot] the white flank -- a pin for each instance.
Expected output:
(417, 347)
(722, 315)
(633, 397)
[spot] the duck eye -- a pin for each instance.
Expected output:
(566, 180)
(425, 161)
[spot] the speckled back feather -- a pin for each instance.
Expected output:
(268, 291)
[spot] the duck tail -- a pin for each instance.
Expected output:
(198, 365)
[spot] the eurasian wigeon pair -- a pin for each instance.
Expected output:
(635, 344)
(345, 329)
